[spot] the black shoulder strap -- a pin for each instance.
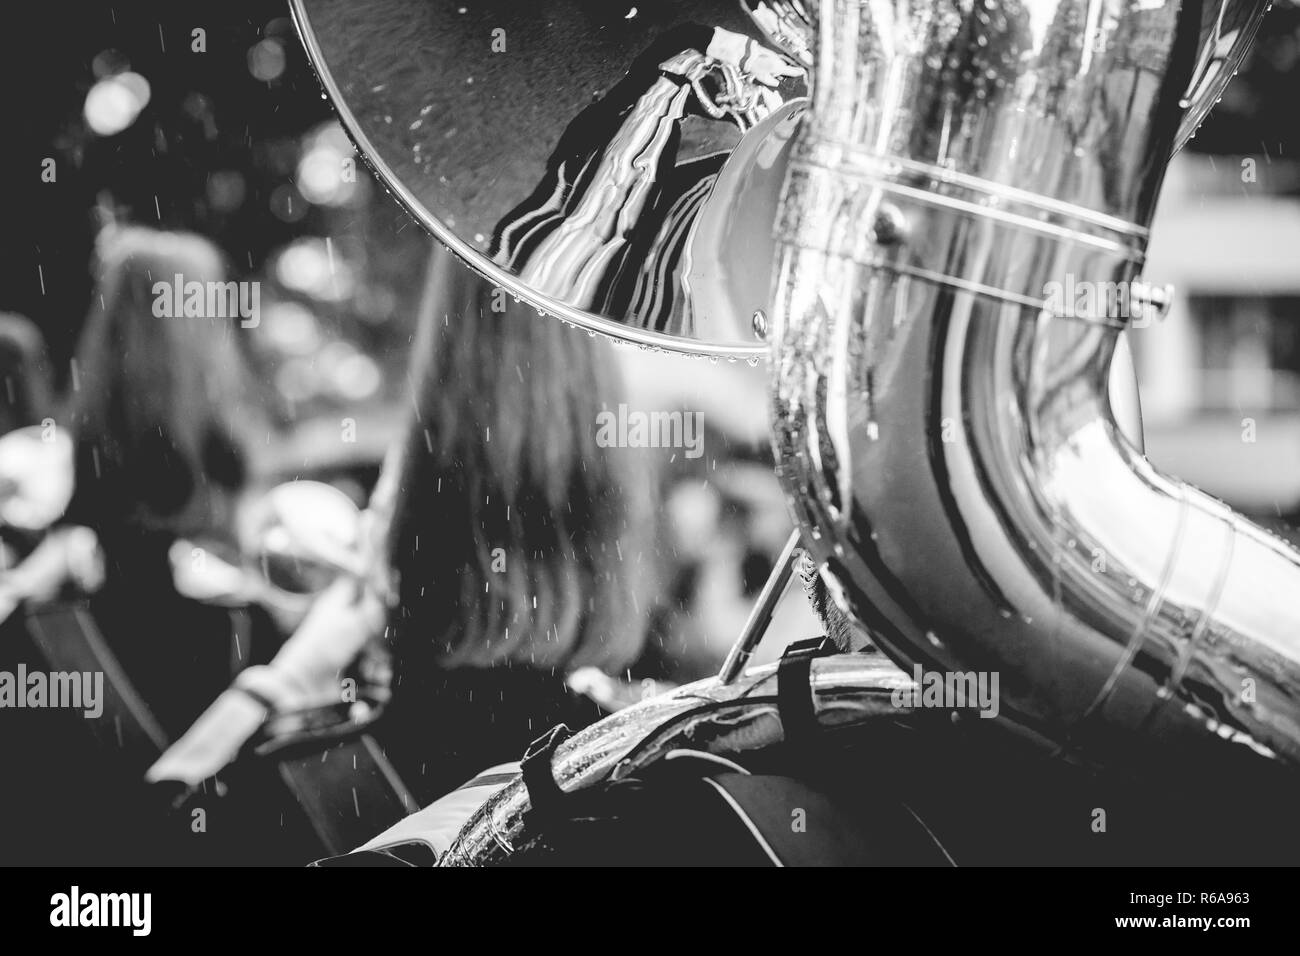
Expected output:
(535, 769)
(794, 698)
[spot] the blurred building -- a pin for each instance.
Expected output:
(1220, 375)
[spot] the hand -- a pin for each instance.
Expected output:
(212, 743)
(342, 620)
(303, 674)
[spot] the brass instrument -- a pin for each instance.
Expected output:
(946, 430)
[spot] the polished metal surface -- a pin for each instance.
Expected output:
(734, 246)
(564, 150)
(786, 24)
(1228, 28)
(774, 589)
(943, 425)
(609, 190)
(710, 715)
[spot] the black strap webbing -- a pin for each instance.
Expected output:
(794, 699)
(535, 768)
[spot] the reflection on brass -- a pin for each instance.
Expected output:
(950, 446)
(948, 443)
(786, 23)
(848, 690)
(1227, 30)
(568, 150)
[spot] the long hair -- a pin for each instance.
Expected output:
(516, 539)
(155, 400)
(26, 390)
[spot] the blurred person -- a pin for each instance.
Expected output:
(36, 560)
(26, 378)
(158, 408)
(305, 559)
(724, 517)
(40, 560)
(521, 549)
(518, 551)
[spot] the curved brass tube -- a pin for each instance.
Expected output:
(710, 715)
(943, 424)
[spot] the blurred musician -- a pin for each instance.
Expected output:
(521, 548)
